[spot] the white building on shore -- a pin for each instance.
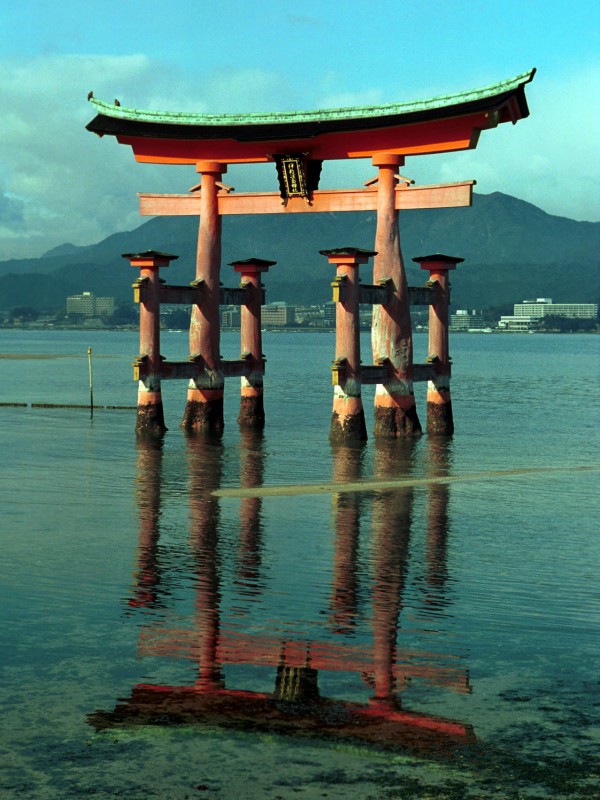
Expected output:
(464, 320)
(528, 315)
(88, 305)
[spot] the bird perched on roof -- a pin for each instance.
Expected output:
(117, 102)
(90, 95)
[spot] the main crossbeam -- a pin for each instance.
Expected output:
(443, 195)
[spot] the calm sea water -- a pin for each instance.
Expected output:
(145, 620)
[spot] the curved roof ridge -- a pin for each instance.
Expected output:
(346, 112)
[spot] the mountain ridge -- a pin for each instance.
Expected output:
(512, 250)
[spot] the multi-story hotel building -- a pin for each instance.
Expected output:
(529, 314)
(278, 315)
(88, 305)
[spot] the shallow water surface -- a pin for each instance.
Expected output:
(191, 620)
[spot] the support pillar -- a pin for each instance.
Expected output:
(252, 412)
(348, 417)
(204, 408)
(439, 403)
(150, 417)
(395, 409)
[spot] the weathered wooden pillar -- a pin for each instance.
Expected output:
(439, 404)
(348, 417)
(204, 408)
(147, 367)
(395, 410)
(252, 411)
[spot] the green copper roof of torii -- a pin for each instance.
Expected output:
(290, 117)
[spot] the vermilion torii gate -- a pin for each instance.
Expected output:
(298, 143)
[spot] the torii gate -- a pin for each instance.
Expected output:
(298, 143)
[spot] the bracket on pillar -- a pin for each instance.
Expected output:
(338, 285)
(138, 289)
(338, 371)
(139, 368)
(399, 178)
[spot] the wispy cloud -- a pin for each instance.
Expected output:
(550, 159)
(60, 183)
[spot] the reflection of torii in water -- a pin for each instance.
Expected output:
(295, 705)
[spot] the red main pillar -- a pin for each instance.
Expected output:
(439, 404)
(252, 411)
(150, 417)
(348, 417)
(395, 410)
(204, 408)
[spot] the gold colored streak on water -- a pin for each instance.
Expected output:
(387, 485)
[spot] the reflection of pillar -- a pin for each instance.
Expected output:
(150, 419)
(392, 518)
(439, 451)
(348, 417)
(252, 412)
(395, 410)
(204, 409)
(439, 404)
(251, 529)
(147, 579)
(205, 467)
(347, 468)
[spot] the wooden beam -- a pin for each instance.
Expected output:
(375, 295)
(423, 295)
(444, 195)
(178, 370)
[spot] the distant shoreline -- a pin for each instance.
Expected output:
(290, 329)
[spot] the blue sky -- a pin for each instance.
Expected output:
(59, 183)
